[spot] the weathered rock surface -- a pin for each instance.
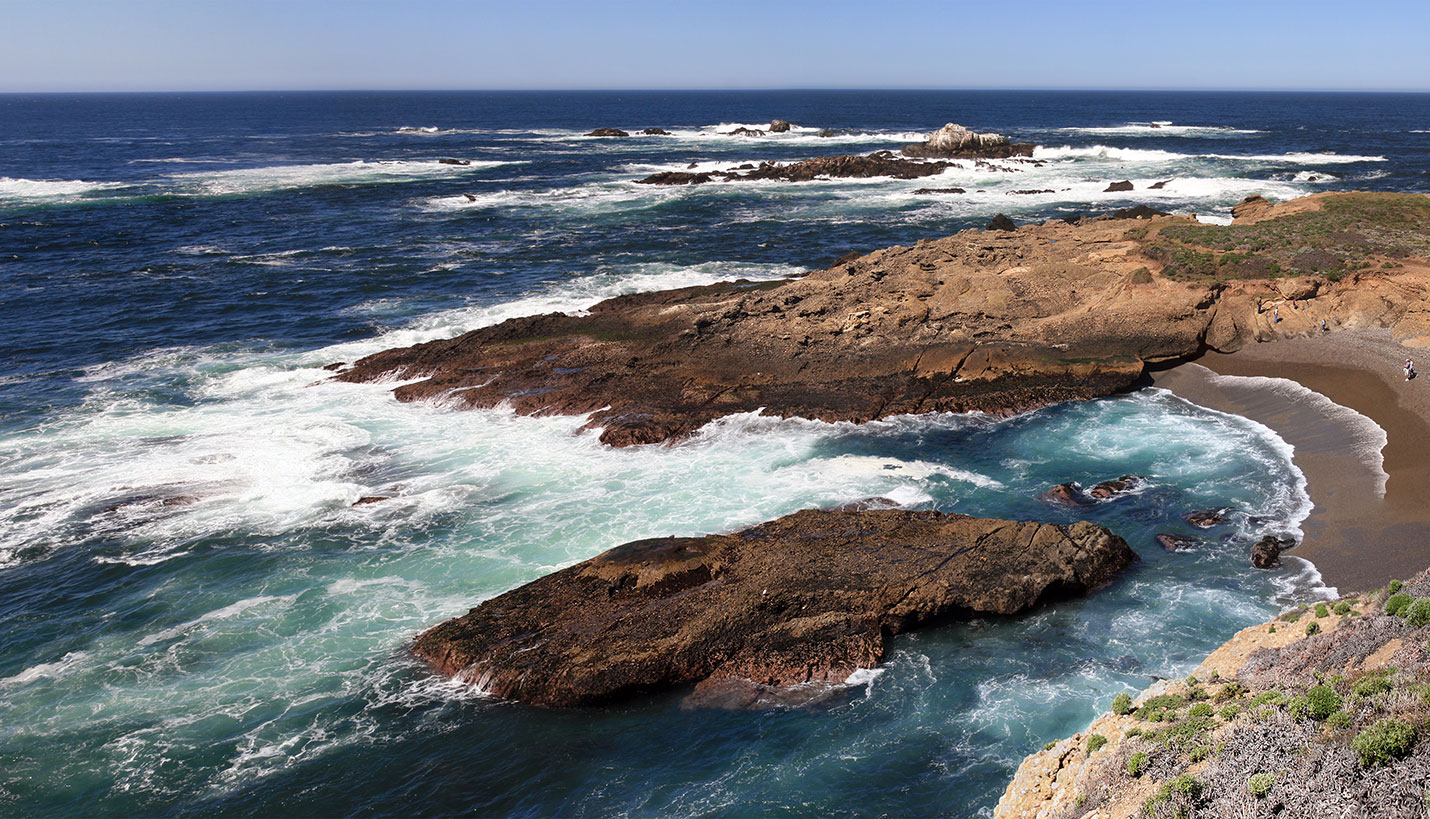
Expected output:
(749, 132)
(955, 141)
(455, 161)
(1001, 222)
(1266, 554)
(655, 132)
(780, 126)
(928, 191)
(882, 163)
(608, 132)
(1113, 488)
(997, 321)
(810, 597)
(1207, 518)
(1117, 187)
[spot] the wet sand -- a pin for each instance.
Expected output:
(1357, 538)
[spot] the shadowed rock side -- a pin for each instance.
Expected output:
(954, 141)
(993, 321)
(810, 597)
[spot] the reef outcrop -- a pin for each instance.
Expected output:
(808, 598)
(954, 141)
(845, 166)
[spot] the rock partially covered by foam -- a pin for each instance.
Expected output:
(809, 598)
(953, 140)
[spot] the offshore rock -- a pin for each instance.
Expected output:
(1179, 543)
(1207, 518)
(1111, 489)
(780, 126)
(1118, 187)
(749, 132)
(1266, 554)
(655, 132)
(808, 598)
(608, 132)
(933, 191)
(955, 141)
(1001, 222)
(882, 163)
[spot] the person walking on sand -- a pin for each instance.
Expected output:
(1409, 369)
(1276, 315)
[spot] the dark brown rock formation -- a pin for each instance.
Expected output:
(882, 163)
(1118, 187)
(810, 597)
(1179, 543)
(1206, 518)
(608, 132)
(1068, 494)
(1266, 554)
(749, 132)
(956, 142)
(655, 132)
(1001, 222)
(780, 126)
(455, 161)
(933, 191)
(1111, 489)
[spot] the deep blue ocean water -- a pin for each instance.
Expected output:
(194, 618)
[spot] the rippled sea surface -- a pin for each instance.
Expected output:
(193, 617)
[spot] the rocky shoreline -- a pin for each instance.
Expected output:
(998, 321)
(774, 614)
(1323, 711)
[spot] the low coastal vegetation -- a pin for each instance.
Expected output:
(1328, 721)
(1351, 232)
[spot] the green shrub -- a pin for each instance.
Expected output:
(1395, 586)
(1419, 612)
(1260, 784)
(1134, 732)
(1049, 746)
(1371, 685)
(1137, 763)
(1190, 680)
(1339, 720)
(1324, 701)
(1384, 741)
(1398, 603)
(1199, 752)
(1313, 628)
(1269, 698)
(1095, 743)
(1214, 676)
(1122, 704)
(1322, 611)
(1184, 785)
(1230, 691)
(1299, 707)
(1341, 608)
(1230, 712)
(1293, 615)
(1196, 693)
(1201, 709)
(1271, 629)
(1161, 707)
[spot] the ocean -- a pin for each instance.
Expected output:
(194, 617)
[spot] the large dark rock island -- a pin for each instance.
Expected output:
(808, 598)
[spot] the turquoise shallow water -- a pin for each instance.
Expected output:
(193, 618)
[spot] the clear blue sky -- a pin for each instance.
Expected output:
(162, 45)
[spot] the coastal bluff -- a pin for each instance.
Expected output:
(998, 321)
(1323, 711)
(774, 614)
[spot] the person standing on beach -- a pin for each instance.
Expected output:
(1409, 369)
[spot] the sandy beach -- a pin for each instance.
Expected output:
(1358, 537)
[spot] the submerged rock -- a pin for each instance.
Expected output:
(1110, 489)
(844, 166)
(931, 191)
(749, 132)
(1178, 543)
(805, 599)
(455, 161)
(1068, 494)
(608, 132)
(655, 132)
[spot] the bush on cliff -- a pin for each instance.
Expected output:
(1137, 763)
(1387, 740)
(1095, 743)
(1398, 603)
(1324, 701)
(1260, 784)
(1419, 612)
(1122, 704)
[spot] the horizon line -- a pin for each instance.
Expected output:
(733, 89)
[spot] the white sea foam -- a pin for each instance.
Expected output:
(284, 177)
(16, 190)
(53, 670)
(1162, 128)
(1109, 152)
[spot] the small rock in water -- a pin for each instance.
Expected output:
(1266, 554)
(1069, 494)
(608, 132)
(455, 161)
(780, 126)
(1118, 187)
(1157, 186)
(655, 132)
(335, 366)
(926, 191)
(366, 499)
(1206, 518)
(1109, 489)
(1179, 543)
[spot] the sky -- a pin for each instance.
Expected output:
(234, 45)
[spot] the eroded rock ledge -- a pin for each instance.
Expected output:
(993, 321)
(808, 598)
